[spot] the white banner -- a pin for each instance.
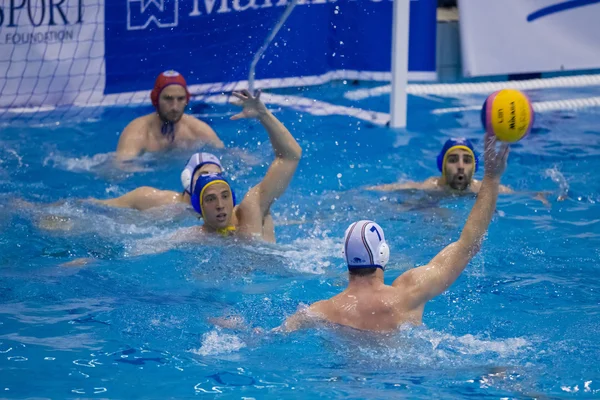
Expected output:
(521, 36)
(51, 52)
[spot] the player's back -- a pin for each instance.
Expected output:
(380, 308)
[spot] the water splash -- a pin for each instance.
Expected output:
(216, 342)
(559, 178)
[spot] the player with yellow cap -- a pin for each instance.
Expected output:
(211, 194)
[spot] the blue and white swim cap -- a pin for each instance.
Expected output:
(365, 246)
(456, 143)
(203, 182)
(195, 162)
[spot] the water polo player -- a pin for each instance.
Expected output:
(169, 126)
(212, 197)
(146, 197)
(457, 162)
(368, 303)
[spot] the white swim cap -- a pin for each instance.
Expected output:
(365, 246)
(196, 161)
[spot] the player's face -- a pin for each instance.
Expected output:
(217, 206)
(459, 168)
(172, 103)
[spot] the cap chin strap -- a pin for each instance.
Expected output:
(167, 129)
(227, 231)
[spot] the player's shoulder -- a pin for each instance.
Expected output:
(139, 125)
(475, 186)
(431, 183)
(191, 120)
(405, 281)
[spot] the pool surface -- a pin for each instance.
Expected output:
(521, 322)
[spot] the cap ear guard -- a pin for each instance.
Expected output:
(196, 161)
(384, 255)
(186, 180)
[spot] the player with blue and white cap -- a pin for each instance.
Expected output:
(213, 198)
(210, 193)
(146, 197)
(368, 303)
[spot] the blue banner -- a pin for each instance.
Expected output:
(213, 41)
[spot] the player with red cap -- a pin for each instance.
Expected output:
(208, 191)
(169, 126)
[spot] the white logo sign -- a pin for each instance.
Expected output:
(140, 13)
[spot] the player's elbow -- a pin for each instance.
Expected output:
(294, 153)
(125, 154)
(505, 190)
(470, 246)
(215, 142)
(291, 155)
(298, 153)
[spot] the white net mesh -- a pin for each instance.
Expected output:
(67, 57)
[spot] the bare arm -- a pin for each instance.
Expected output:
(540, 196)
(142, 198)
(426, 282)
(294, 322)
(302, 319)
(287, 155)
(207, 134)
(132, 140)
(404, 186)
(505, 189)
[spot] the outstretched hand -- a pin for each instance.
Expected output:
(495, 161)
(252, 106)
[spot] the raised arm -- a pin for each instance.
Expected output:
(426, 282)
(286, 149)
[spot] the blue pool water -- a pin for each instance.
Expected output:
(521, 322)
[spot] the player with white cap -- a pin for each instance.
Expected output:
(146, 197)
(368, 303)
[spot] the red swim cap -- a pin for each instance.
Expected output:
(165, 79)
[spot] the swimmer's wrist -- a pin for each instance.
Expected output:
(263, 114)
(495, 178)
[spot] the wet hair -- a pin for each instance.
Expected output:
(362, 271)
